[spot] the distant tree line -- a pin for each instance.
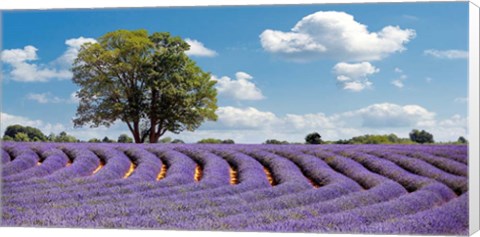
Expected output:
(30, 134)
(21, 133)
(415, 137)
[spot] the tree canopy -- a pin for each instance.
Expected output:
(28, 133)
(421, 136)
(124, 138)
(378, 139)
(313, 138)
(146, 81)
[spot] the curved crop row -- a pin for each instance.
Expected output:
(306, 188)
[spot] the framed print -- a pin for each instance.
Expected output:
(246, 118)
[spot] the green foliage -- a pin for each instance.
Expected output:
(274, 141)
(7, 138)
(107, 140)
(341, 141)
(33, 134)
(378, 139)
(165, 140)
(421, 136)
(228, 141)
(146, 81)
(21, 137)
(64, 137)
(462, 140)
(178, 141)
(94, 140)
(210, 141)
(313, 138)
(124, 138)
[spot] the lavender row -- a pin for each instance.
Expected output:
(458, 184)
(52, 160)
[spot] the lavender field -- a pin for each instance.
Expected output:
(400, 189)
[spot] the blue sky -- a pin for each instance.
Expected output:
(281, 71)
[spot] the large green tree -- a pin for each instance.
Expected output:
(146, 81)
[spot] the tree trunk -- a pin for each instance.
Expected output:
(153, 117)
(136, 132)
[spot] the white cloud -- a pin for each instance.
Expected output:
(74, 45)
(48, 98)
(354, 77)
(308, 121)
(335, 35)
(398, 70)
(24, 69)
(44, 98)
(241, 88)
(393, 115)
(46, 128)
(19, 60)
(428, 79)
(399, 82)
(198, 49)
(244, 118)
(447, 54)
(250, 125)
(461, 100)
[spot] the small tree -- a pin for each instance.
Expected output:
(107, 140)
(313, 138)
(124, 138)
(94, 140)
(64, 137)
(228, 141)
(210, 141)
(421, 136)
(462, 140)
(275, 142)
(178, 141)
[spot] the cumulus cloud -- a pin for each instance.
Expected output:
(307, 121)
(335, 35)
(240, 88)
(23, 68)
(49, 98)
(198, 49)
(354, 77)
(46, 128)
(244, 117)
(393, 115)
(74, 45)
(447, 54)
(251, 125)
(44, 98)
